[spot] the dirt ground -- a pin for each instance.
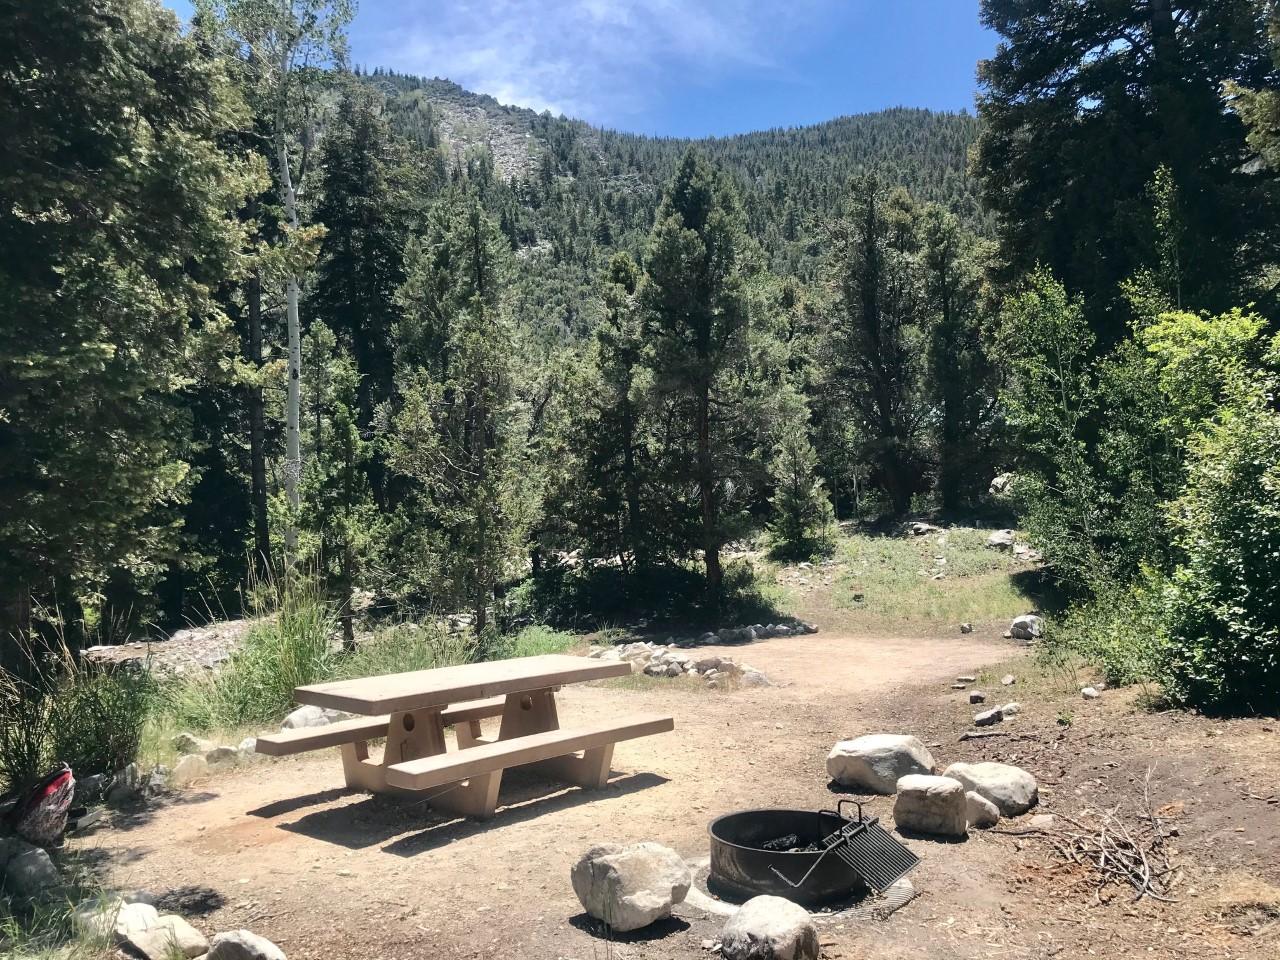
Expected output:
(280, 847)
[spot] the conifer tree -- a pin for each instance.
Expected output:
(697, 317)
(802, 516)
(457, 434)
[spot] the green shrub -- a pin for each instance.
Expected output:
(406, 647)
(291, 645)
(58, 708)
(1121, 629)
(535, 640)
(1224, 599)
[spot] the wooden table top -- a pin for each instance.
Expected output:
(420, 689)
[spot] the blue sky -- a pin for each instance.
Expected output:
(685, 67)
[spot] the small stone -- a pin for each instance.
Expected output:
(1090, 693)
(307, 716)
(1011, 709)
(1027, 627)
(126, 785)
(988, 717)
(1008, 680)
(977, 696)
(966, 628)
(248, 746)
(959, 686)
(222, 755)
(754, 678)
(27, 870)
(1043, 821)
(980, 811)
(242, 945)
(770, 928)
(967, 678)
(190, 743)
(188, 769)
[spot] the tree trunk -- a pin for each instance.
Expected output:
(257, 431)
(707, 495)
(293, 399)
(632, 483)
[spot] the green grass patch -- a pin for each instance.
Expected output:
(537, 640)
(882, 578)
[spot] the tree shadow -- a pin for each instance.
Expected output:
(139, 814)
(658, 930)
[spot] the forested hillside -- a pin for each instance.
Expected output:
(266, 314)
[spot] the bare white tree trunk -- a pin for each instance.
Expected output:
(293, 398)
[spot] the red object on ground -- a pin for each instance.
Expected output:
(41, 815)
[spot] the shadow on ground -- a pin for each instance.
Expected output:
(654, 931)
(409, 826)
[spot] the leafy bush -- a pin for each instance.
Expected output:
(1121, 629)
(57, 708)
(1224, 599)
(535, 640)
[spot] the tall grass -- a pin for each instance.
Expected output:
(404, 648)
(289, 646)
(55, 707)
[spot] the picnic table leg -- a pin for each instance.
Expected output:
(535, 712)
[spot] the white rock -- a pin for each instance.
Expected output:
(1011, 709)
(1008, 680)
(754, 678)
(190, 743)
(977, 696)
(770, 928)
(1090, 693)
(96, 919)
(188, 769)
(222, 755)
(248, 746)
(27, 871)
(170, 937)
(1027, 627)
(1012, 789)
(242, 945)
(966, 628)
(929, 804)
(134, 918)
(307, 716)
(1001, 540)
(630, 887)
(980, 812)
(876, 762)
(988, 717)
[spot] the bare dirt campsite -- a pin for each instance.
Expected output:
(280, 846)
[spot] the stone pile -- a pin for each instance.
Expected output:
(668, 660)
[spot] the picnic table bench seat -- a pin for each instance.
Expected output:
(288, 742)
(425, 773)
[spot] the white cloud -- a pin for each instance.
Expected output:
(596, 59)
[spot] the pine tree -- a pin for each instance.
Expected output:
(697, 318)
(457, 435)
(802, 517)
(116, 223)
(877, 349)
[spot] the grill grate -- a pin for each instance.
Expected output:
(869, 850)
(875, 856)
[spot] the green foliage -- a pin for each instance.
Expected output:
(1224, 598)
(537, 640)
(57, 708)
(1121, 629)
(289, 645)
(404, 648)
(117, 223)
(803, 520)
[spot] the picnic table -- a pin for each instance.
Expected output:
(412, 711)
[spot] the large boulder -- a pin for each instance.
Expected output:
(1027, 627)
(630, 887)
(1000, 484)
(27, 871)
(770, 928)
(876, 762)
(1010, 788)
(981, 812)
(242, 945)
(305, 717)
(188, 769)
(934, 805)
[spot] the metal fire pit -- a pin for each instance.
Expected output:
(850, 857)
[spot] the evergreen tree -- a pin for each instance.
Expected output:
(1083, 102)
(961, 378)
(457, 435)
(802, 517)
(696, 316)
(116, 223)
(877, 350)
